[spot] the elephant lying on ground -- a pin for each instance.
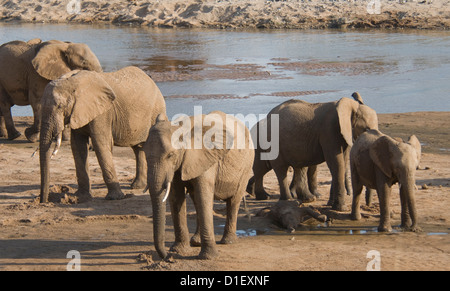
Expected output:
(310, 134)
(289, 214)
(214, 162)
(116, 108)
(27, 67)
(377, 161)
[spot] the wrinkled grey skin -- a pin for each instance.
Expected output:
(377, 161)
(310, 134)
(116, 108)
(27, 67)
(304, 182)
(206, 173)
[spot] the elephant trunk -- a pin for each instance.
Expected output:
(407, 194)
(44, 158)
(159, 192)
(159, 220)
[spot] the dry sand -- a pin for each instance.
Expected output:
(117, 235)
(302, 14)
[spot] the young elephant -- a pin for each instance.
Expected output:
(377, 161)
(212, 162)
(116, 108)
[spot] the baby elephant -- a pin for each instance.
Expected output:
(289, 214)
(377, 161)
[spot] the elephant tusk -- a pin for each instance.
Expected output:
(34, 153)
(167, 192)
(58, 144)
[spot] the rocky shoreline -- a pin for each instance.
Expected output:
(236, 14)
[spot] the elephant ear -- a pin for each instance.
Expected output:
(381, 153)
(215, 141)
(415, 143)
(346, 109)
(50, 61)
(93, 97)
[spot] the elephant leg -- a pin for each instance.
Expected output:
(357, 189)
(3, 132)
(5, 108)
(260, 168)
(405, 216)
(281, 172)
(102, 142)
(80, 151)
(32, 132)
(348, 178)
(299, 186)
(204, 198)
(384, 196)
(141, 168)
(179, 216)
(229, 233)
(369, 196)
(336, 164)
(196, 239)
(312, 181)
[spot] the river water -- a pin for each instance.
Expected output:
(253, 71)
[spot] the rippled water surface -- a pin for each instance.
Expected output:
(253, 71)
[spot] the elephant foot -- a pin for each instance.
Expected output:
(14, 135)
(83, 196)
(115, 195)
(308, 198)
(413, 228)
(195, 240)
(208, 253)
(262, 195)
(180, 248)
(229, 238)
(339, 207)
(383, 228)
(32, 134)
(138, 184)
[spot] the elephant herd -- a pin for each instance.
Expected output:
(212, 156)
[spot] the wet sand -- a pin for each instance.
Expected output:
(298, 14)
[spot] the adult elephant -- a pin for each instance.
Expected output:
(377, 161)
(116, 108)
(213, 162)
(304, 182)
(27, 67)
(310, 134)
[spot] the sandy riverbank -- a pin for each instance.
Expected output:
(117, 235)
(300, 14)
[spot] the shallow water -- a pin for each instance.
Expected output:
(253, 71)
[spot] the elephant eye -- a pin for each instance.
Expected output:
(170, 155)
